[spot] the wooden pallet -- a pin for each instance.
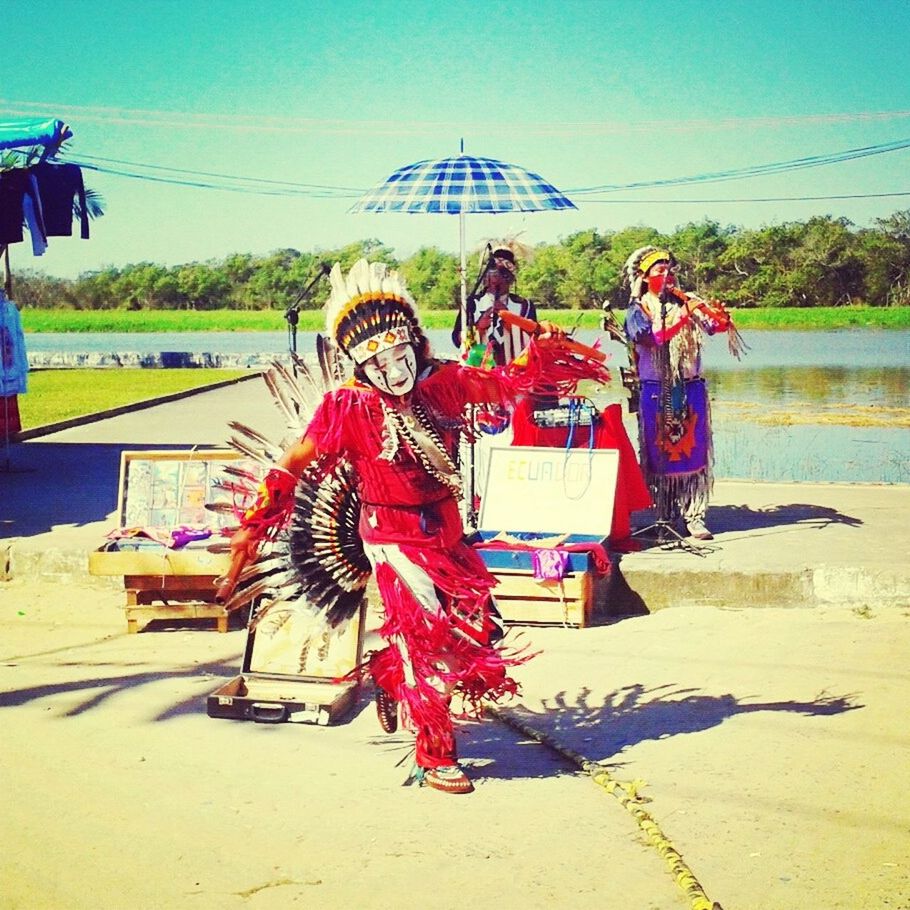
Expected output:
(150, 597)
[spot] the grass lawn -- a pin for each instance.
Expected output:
(314, 320)
(56, 395)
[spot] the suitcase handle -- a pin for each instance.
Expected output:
(266, 713)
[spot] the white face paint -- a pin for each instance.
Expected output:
(393, 371)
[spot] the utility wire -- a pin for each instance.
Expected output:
(199, 184)
(268, 187)
(749, 199)
(255, 180)
(760, 170)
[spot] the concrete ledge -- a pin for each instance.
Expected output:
(55, 564)
(639, 590)
(162, 360)
(632, 590)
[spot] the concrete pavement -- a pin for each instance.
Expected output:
(765, 744)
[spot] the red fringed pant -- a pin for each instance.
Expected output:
(442, 641)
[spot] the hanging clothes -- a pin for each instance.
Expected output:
(13, 359)
(20, 201)
(34, 216)
(12, 191)
(60, 185)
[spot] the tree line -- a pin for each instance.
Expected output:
(824, 261)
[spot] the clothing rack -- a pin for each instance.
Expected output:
(36, 141)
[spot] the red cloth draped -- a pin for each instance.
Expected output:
(10, 422)
(609, 433)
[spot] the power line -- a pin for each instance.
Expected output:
(759, 170)
(268, 187)
(199, 184)
(750, 199)
(254, 180)
(341, 192)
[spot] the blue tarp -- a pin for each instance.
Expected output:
(30, 133)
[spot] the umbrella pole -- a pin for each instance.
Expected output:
(467, 339)
(466, 330)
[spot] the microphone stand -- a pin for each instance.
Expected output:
(292, 313)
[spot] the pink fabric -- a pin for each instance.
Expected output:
(598, 553)
(550, 565)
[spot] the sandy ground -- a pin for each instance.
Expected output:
(771, 746)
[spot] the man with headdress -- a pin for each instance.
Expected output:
(504, 342)
(397, 424)
(666, 327)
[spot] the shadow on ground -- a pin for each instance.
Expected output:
(100, 688)
(51, 484)
(728, 519)
(600, 732)
(636, 714)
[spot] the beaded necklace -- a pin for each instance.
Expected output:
(399, 427)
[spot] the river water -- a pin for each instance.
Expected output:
(849, 348)
(799, 406)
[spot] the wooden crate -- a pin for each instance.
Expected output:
(167, 488)
(521, 598)
(572, 601)
(551, 494)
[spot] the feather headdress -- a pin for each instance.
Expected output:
(521, 252)
(637, 265)
(369, 310)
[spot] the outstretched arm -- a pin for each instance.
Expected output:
(551, 332)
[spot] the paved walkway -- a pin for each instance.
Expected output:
(766, 744)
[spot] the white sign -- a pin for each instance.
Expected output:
(550, 490)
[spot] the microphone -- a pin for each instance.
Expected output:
(324, 269)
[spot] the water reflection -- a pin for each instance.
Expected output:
(793, 385)
(778, 413)
(813, 453)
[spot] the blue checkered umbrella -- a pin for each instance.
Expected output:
(462, 185)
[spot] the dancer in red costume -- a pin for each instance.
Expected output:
(397, 424)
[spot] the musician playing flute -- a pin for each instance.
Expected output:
(667, 327)
(503, 341)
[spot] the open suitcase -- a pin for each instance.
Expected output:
(288, 675)
(159, 490)
(539, 493)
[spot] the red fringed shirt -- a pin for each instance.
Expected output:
(402, 503)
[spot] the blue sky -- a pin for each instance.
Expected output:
(583, 92)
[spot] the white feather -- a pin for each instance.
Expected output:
(363, 278)
(338, 296)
